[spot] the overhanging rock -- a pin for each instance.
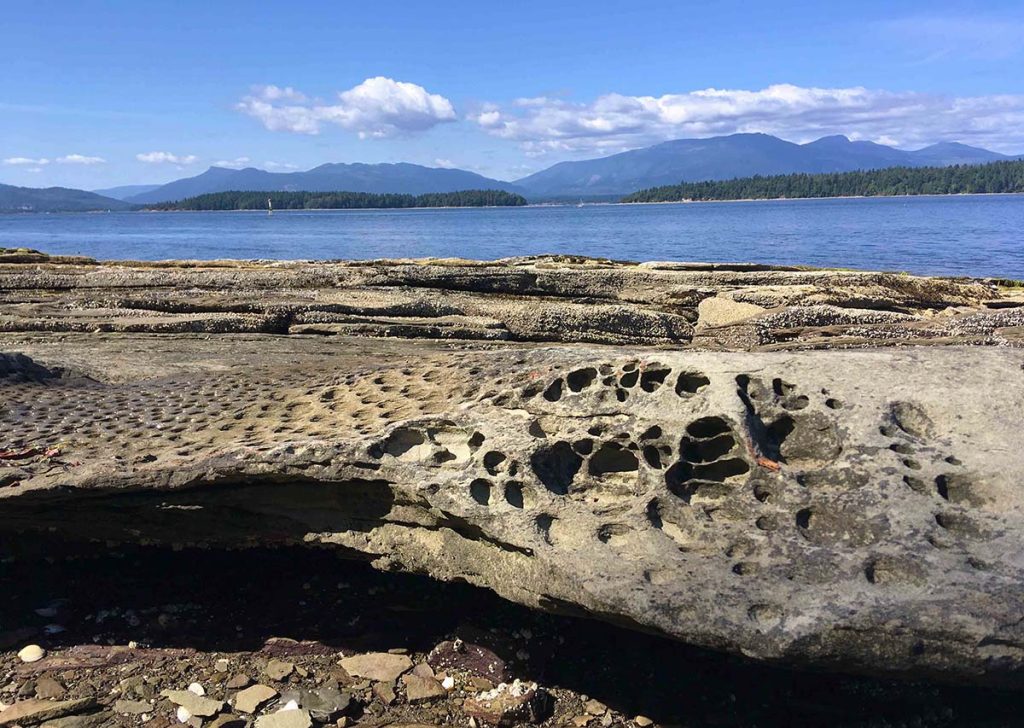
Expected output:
(851, 509)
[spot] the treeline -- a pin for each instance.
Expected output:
(341, 200)
(995, 177)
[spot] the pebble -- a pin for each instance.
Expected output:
(643, 721)
(182, 714)
(31, 653)
(237, 682)
(221, 665)
(197, 689)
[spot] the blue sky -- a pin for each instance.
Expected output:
(95, 94)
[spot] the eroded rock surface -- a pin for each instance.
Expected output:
(853, 509)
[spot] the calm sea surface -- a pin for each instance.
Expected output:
(975, 235)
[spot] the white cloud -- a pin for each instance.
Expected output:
(80, 159)
(280, 165)
(614, 122)
(378, 107)
(236, 163)
(24, 161)
(444, 163)
(166, 158)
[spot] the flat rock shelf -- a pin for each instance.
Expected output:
(808, 468)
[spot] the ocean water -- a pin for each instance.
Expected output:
(964, 235)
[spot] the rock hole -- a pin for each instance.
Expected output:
(514, 494)
(543, 523)
(621, 394)
(651, 379)
(405, 441)
(554, 391)
(492, 460)
(556, 466)
(583, 447)
(707, 427)
(652, 433)
(691, 383)
(612, 458)
(612, 532)
(705, 451)
(652, 456)
(581, 378)
(833, 403)
(480, 490)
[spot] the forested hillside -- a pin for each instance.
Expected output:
(341, 200)
(996, 177)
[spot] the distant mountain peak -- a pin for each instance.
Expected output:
(731, 156)
(401, 177)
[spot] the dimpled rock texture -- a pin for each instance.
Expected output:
(849, 509)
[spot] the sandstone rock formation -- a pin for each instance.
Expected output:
(858, 510)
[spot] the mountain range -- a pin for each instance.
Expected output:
(736, 155)
(56, 199)
(411, 179)
(668, 163)
(689, 160)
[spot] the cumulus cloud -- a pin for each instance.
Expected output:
(80, 159)
(25, 161)
(614, 122)
(236, 163)
(444, 163)
(378, 107)
(166, 158)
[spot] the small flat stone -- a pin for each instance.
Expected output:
(595, 707)
(132, 707)
(31, 653)
(237, 682)
(194, 704)
(419, 689)
(285, 719)
(32, 711)
(385, 692)
(252, 699)
(423, 670)
(279, 670)
(49, 689)
(380, 666)
(221, 665)
(643, 721)
(226, 721)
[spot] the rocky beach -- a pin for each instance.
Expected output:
(560, 491)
